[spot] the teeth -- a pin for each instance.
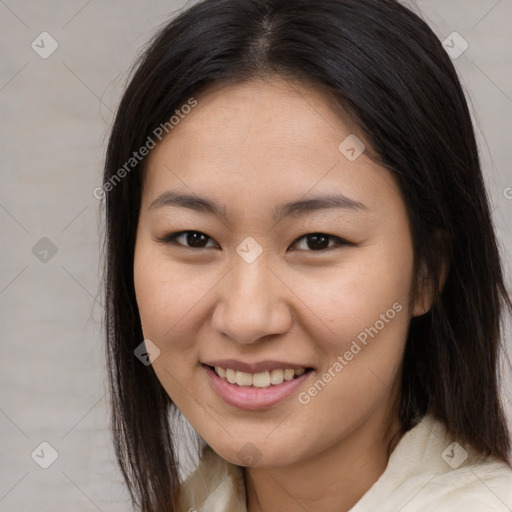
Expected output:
(243, 379)
(288, 374)
(259, 380)
(276, 377)
(230, 375)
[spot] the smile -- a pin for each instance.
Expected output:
(257, 390)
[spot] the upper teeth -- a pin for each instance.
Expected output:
(260, 380)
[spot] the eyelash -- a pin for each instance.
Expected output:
(171, 239)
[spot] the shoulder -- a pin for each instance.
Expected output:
(480, 486)
(430, 472)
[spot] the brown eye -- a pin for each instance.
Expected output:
(320, 241)
(190, 239)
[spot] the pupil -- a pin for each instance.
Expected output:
(322, 244)
(192, 239)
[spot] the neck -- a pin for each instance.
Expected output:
(332, 481)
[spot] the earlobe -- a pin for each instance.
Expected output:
(426, 296)
(445, 267)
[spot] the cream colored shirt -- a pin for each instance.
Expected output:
(426, 472)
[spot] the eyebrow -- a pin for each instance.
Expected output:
(290, 209)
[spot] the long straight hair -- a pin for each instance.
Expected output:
(389, 70)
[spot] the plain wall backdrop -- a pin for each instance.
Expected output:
(55, 117)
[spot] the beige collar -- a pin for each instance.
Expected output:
(423, 453)
(215, 485)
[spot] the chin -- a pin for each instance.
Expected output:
(257, 453)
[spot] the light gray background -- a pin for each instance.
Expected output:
(55, 116)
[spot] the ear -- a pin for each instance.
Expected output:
(426, 287)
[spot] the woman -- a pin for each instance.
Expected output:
(301, 260)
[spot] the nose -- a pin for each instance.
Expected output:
(253, 303)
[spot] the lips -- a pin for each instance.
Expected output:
(254, 397)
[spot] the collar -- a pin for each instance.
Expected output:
(217, 485)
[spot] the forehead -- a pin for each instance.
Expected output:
(265, 138)
(276, 112)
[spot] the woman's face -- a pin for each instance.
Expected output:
(259, 287)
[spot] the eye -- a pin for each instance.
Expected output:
(320, 241)
(191, 239)
(198, 240)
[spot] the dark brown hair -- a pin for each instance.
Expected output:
(390, 71)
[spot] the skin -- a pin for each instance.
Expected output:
(251, 147)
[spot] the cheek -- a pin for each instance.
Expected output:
(168, 299)
(352, 295)
(165, 294)
(366, 312)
